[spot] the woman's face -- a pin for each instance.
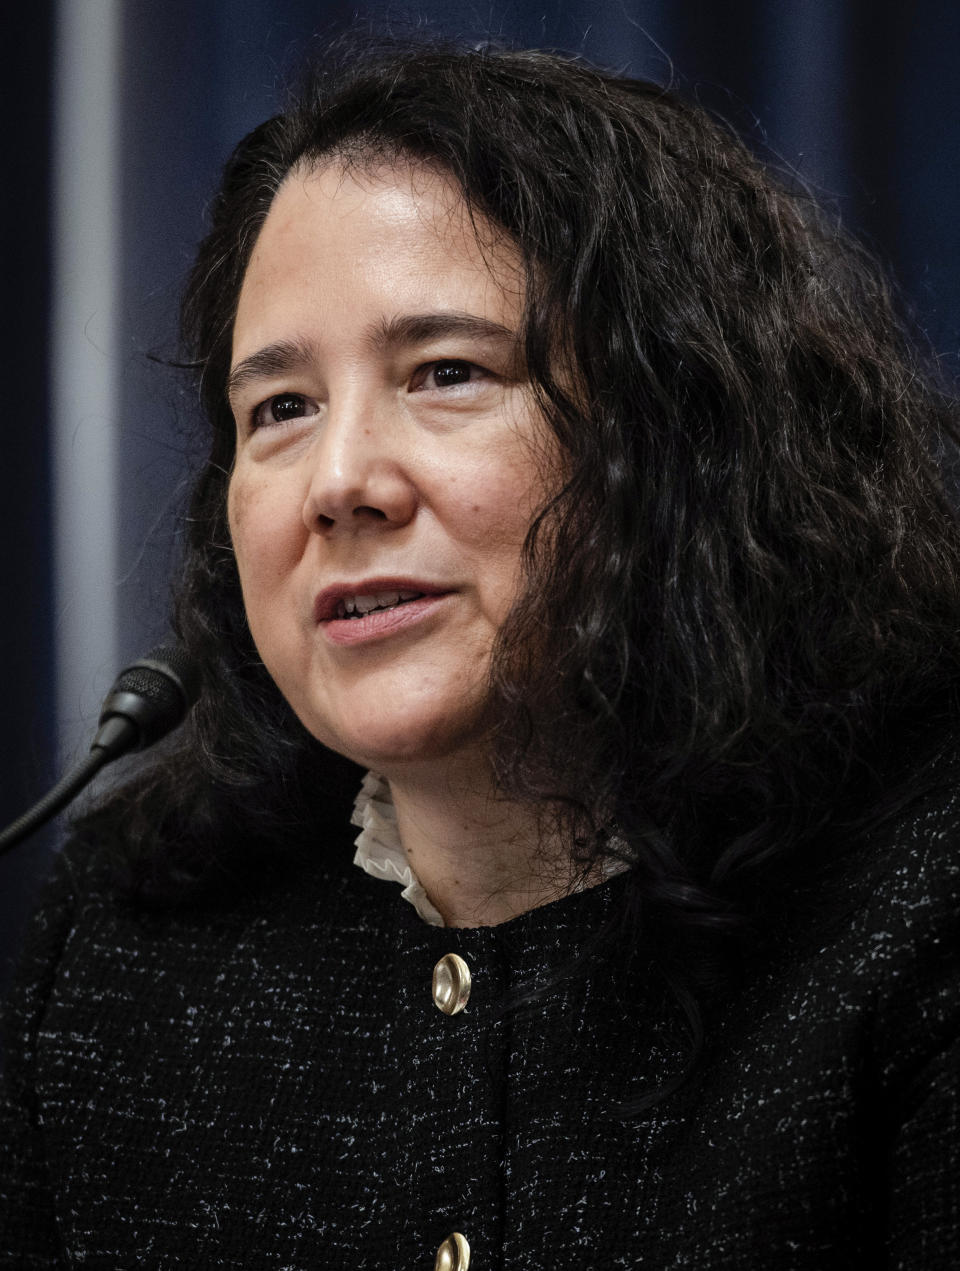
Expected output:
(389, 458)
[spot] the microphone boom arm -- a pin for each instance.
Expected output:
(148, 700)
(55, 800)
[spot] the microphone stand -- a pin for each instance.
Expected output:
(148, 699)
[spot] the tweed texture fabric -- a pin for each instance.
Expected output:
(270, 1085)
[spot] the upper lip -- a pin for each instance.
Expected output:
(325, 605)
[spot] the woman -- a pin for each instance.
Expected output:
(573, 475)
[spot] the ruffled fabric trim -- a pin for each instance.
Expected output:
(379, 850)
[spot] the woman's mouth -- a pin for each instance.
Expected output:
(375, 610)
(359, 606)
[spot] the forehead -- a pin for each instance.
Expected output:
(388, 237)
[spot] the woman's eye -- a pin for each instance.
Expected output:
(434, 375)
(282, 407)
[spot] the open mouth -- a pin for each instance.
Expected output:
(360, 606)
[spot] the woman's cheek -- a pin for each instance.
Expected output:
(260, 521)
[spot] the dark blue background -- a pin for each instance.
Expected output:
(860, 97)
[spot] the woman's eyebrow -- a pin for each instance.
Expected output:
(418, 328)
(284, 356)
(273, 359)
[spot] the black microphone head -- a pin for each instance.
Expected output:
(153, 694)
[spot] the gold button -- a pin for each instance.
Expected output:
(454, 1253)
(451, 985)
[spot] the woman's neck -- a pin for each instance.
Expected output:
(480, 858)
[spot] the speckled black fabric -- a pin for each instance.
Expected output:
(271, 1086)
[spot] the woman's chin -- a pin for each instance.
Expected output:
(393, 748)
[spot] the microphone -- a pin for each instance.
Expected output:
(148, 699)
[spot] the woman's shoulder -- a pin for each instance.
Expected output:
(98, 932)
(908, 866)
(871, 948)
(909, 921)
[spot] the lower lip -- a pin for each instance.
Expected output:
(382, 623)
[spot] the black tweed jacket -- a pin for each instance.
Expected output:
(270, 1084)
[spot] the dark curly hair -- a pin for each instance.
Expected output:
(751, 570)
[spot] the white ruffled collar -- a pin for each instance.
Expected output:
(379, 850)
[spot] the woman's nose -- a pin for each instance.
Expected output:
(360, 475)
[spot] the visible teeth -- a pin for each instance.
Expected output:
(363, 604)
(359, 606)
